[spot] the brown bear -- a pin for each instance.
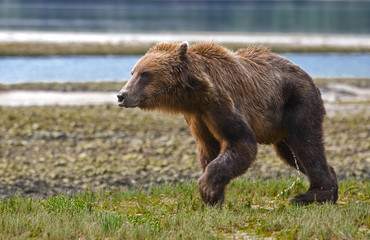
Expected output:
(232, 101)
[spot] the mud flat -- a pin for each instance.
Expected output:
(84, 140)
(46, 150)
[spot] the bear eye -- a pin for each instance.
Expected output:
(145, 74)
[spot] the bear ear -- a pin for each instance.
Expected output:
(183, 49)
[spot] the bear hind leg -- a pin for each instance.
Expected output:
(304, 137)
(323, 181)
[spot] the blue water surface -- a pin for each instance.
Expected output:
(117, 68)
(66, 68)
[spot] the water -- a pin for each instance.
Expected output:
(182, 15)
(117, 68)
(63, 69)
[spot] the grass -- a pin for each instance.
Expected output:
(176, 212)
(50, 49)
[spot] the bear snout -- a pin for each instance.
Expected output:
(125, 101)
(121, 96)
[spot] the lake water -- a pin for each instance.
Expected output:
(182, 15)
(117, 68)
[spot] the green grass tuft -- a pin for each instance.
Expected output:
(175, 211)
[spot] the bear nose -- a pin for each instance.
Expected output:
(121, 96)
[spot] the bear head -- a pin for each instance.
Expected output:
(164, 79)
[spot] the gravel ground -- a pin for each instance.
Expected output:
(46, 150)
(52, 149)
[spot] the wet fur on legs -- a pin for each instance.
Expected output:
(304, 138)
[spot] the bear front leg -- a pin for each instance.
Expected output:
(238, 150)
(208, 146)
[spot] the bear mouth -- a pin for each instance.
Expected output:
(128, 104)
(121, 104)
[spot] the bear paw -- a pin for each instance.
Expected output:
(316, 196)
(212, 194)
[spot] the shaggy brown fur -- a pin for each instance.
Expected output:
(231, 101)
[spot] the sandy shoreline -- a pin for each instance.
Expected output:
(18, 98)
(110, 38)
(144, 40)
